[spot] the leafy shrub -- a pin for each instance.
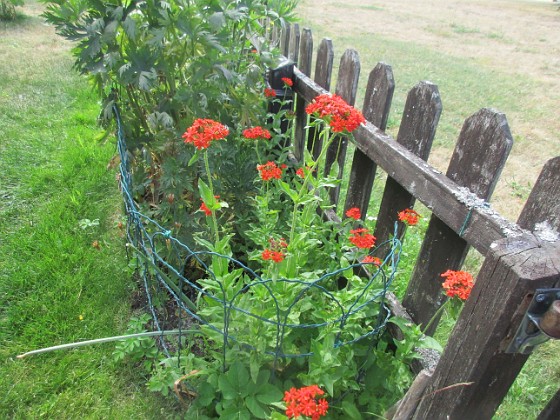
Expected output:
(8, 9)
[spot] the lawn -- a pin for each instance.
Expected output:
(63, 268)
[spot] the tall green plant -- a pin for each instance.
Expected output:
(8, 9)
(167, 63)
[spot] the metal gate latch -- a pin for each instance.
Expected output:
(540, 323)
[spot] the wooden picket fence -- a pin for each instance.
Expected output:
(474, 372)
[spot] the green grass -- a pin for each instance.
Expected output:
(55, 287)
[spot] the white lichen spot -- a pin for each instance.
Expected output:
(545, 232)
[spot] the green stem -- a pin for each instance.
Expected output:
(434, 316)
(104, 340)
(209, 175)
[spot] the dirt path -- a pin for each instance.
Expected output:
(519, 38)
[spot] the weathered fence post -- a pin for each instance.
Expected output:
(293, 48)
(417, 130)
(474, 373)
(377, 104)
(346, 88)
(323, 74)
(480, 154)
(305, 59)
(552, 409)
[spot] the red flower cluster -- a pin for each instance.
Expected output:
(354, 213)
(269, 93)
(305, 401)
(204, 131)
(368, 259)
(270, 170)
(287, 81)
(457, 283)
(336, 112)
(256, 133)
(409, 216)
(276, 256)
(362, 238)
(300, 172)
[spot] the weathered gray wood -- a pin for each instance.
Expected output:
(474, 356)
(480, 154)
(408, 404)
(377, 104)
(304, 64)
(285, 39)
(416, 133)
(323, 74)
(346, 88)
(293, 50)
(552, 409)
(539, 208)
(445, 198)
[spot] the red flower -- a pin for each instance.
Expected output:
(354, 213)
(300, 173)
(362, 238)
(276, 256)
(368, 259)
(305, 401)
(256, 133)
(457, 283)
(409, 216)
(269, 93)
(336, 112)
(204, 207)
(287, 81)
(270, 170)
(204, 131)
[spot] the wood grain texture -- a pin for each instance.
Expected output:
(377, 104)
(304, 64)
(346, 88)
(514, 268)
(416, 133)
(477, 161)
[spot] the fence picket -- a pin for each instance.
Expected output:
(480, 154)
(474, 354)
(377, 103)
(539, 207)
(293, 49)
(323, 74)
(346, 87)
(305, 60)
(417, 130)
(285, 40)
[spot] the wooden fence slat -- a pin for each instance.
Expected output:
(416, 132)
(377, 104)
(480, 154)
(323, 74)
(473, 360)
(293, 49)
(305, 60)
(552, 409)
(346, 88)
(538, 208)
(441, 195)
(285, 39)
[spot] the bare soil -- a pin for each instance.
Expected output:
(513, 38)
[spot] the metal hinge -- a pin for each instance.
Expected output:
(540, 323)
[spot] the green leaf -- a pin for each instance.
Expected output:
(194, 158)
(205, 193)
(428, 342)
(269, 394)
(256, 408)
(351, 411)
(286, 188)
